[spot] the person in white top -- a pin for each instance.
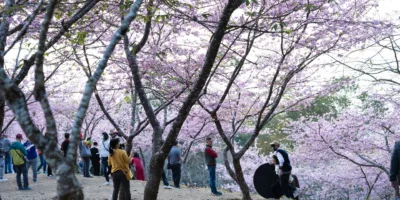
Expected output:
(285, 170)
(104, 151)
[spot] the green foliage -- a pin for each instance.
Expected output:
(248, 2)
(80, 38)
(321, 106)
(378, 107)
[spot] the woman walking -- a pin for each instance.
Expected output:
(121, 174)
(138, 166)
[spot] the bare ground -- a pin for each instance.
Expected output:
(93, 188)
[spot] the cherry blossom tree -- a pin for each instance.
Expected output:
(68, 186)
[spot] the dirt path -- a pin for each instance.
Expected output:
(93, 188)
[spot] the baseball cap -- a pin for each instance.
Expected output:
(19, 136)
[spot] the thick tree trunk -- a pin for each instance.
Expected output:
(153, 181)
(68, 187)
(244, 188)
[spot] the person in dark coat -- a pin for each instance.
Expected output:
(95, 158)
(395, 169)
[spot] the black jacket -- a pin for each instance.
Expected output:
(395, 162)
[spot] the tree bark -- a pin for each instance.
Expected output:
(68, 187)
(240, 179)
(153, 181)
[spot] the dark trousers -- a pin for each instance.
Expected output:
(49, 172)
(176, 174)
(96, 167)
(213, 186)
(21, 169)
(164, 178)
(118, 179)
(86, 165)
(104, 168)
(287, 189)
(42, 164)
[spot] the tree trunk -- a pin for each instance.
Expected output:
(68, 187)
(240, 179)
(2, 114)
(153, 181)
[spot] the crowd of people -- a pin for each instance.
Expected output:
(109, 157)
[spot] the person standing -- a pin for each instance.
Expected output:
(174, 158)
(18, 153)
(32, 158)
(95, 158)
(65, 144)
(8, 163)
(4, 151)
(137, 162)
(104, 151)
(285, 169)
(121, 174)
(43, 163)
(211, 162)
(394, 175)
(84, 152)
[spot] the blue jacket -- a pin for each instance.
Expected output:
(31, 150)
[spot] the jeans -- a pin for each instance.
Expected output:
(104, 168)
(164, 179)
(42, 164)
(2, 167)
(176, 174)
(21, 169)
(118, 179)
(286, 187)
(8, 163)
(33, 163)
(211, 170)
(86, 165)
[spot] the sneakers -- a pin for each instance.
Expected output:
(3, 180)
(296, 193)
(167, 187)
(34, 180)
(38, 172)
(50, 176)
(107, 183)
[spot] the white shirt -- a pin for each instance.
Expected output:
(280, 158)
(104, 148)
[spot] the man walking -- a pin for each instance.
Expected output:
(43, 163)
(95, 158)
(4, 151)
(285, 169)
(32, 158)
(395, 169)
(104, 151)
(18, 154)
(174, 157)
(211, 162)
